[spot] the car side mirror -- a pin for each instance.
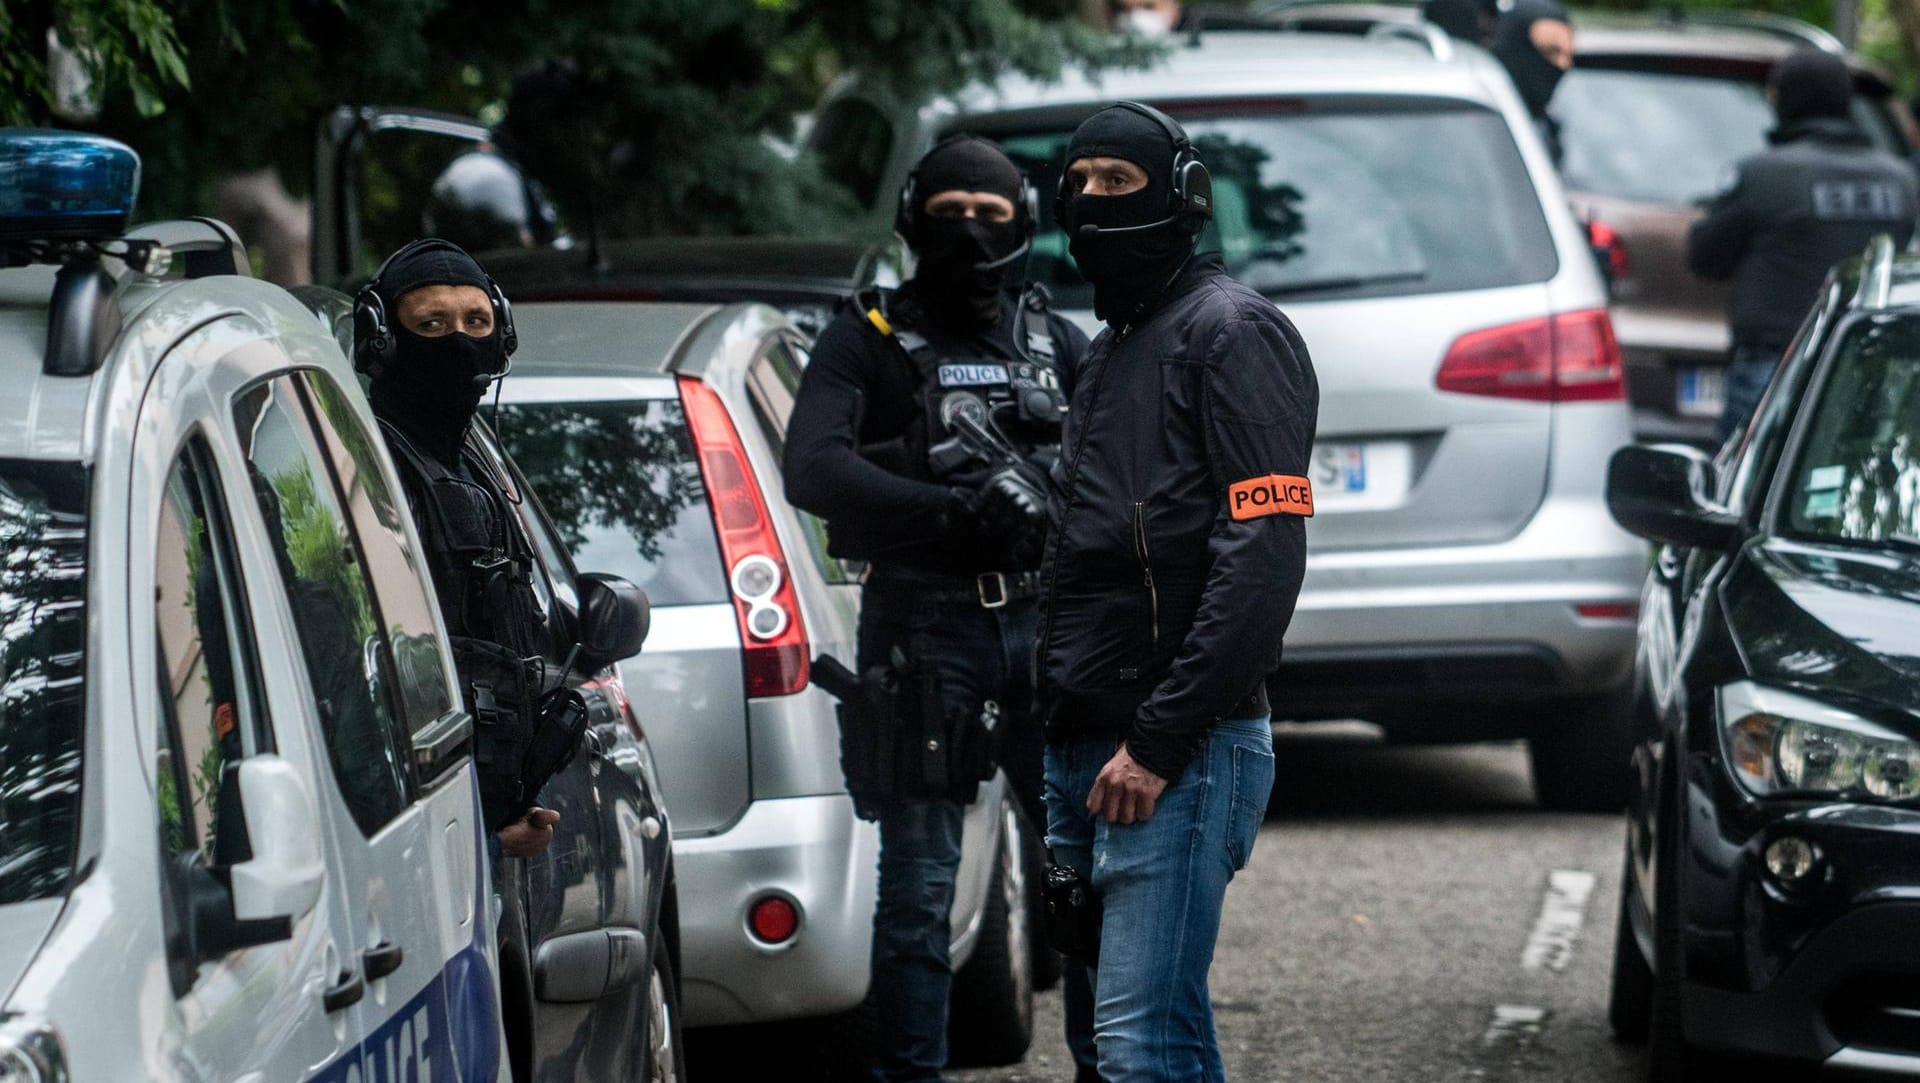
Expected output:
(282, 877)
(1660, 493)
(614, 618)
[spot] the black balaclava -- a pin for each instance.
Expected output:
(963, 266)
(1810, 84)
(1534, 76)
(432, 386)
(1128, 270)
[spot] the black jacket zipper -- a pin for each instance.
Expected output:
(1146, 566)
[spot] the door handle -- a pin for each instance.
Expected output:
(346, 994)
(382, 959)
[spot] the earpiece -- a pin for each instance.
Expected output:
(1190, 189)
(374, 341)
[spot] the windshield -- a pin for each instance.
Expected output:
(1857, 477)
(43, 639)
(1662, 137)
(623, 488)
(1342, 199)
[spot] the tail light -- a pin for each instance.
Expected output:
(1610, 247)
(1572, 357)
(771, 631)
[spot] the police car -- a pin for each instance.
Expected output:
(237, 822)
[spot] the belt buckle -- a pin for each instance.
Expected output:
(999, 581)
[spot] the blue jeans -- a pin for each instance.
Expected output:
(977, 654)
(1747, 378)
(1161, 884)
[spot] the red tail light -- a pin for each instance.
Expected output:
(771, 631)
(1572, 357)
(1607, 241)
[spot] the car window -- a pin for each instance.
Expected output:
(43, 641)
(853, 140)
(206, 667)
(1342, 198)
(1667, 137)
(620, 481)
(404, 596)
(1747, 460)
(1856, 475)
(772, 382)
(323, 570)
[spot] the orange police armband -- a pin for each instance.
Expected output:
(1275, 494)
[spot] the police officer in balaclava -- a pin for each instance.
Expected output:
(1176, 553)
(921, 433)
(1534, 42)
(432, 333)
(1817, 196)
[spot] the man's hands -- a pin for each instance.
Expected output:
(530, 835)
(1013, 509)
(1125, 791)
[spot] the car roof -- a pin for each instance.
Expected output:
(1229, 64)
(604, 338)
(687, 268)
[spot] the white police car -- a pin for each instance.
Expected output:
(237, 826)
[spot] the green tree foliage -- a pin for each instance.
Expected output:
(653, 115)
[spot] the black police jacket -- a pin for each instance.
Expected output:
(1793, 212)
(851, 455)
(1178, 536)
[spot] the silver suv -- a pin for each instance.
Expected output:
(1464, 579)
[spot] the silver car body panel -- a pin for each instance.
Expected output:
(758, 798)
(1500, 527)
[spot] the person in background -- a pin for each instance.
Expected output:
(1816, 197)
(1146, 18)
(1466, 20)
(1534, 42)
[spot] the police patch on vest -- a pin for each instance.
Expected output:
(1275, 494)
(971, 375)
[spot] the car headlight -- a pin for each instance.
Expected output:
(30, 1052)
(1781, 742)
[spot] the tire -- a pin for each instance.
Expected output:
(1670, 1057)
(990, 1022)
(666, 1052)
(1630, 994)
(1580, 750)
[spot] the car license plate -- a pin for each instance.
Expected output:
(1701, 392)
(1351, 476)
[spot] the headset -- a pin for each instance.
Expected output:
(374, 341)
(1189, 197)
(1026, 209)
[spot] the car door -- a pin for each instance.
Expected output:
(214, 696)
(404, 807)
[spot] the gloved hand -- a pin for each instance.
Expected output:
(1013, 510)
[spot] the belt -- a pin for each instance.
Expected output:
(988, 590)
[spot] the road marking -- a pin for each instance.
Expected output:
(1562, 912)
(1516, 1024)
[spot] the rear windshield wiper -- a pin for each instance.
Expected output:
(1349, 282)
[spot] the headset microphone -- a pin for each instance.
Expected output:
(1018, 253)
(1089, 231)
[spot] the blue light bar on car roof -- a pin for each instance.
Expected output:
(57, 185)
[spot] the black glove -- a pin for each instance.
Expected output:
(1013, 509)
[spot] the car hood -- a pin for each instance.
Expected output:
(1837, 619)
(23, 928)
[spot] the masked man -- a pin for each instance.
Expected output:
(1818, 196)
(1176, 553)
(1534, 42)
(921, 433)
(433, 332)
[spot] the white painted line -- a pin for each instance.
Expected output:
(1562, 913)
(1517, 1023)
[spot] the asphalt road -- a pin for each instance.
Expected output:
(1408, 915)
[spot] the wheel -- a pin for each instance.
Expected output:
(990, 1022)
(1580, 750)
(1048, 965)
(666, 1054)
(1630, 996)
(1670, 1057)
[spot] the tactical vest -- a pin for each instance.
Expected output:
(1021, 401)
(482, 570)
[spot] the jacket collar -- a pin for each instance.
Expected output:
(1198, 267)
(1832, 131)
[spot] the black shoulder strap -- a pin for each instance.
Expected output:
(872, 304)
(422, 477)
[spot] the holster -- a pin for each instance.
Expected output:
(899, 742)
(1073, 912)
(501, 691)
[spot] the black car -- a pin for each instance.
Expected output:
(1771, 896)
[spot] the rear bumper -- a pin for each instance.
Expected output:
(1481, 623)
(816, 853)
